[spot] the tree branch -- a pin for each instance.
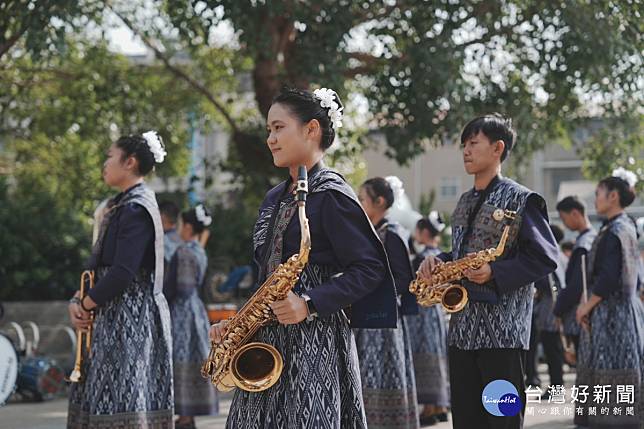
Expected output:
(12, 41)
(178, 72)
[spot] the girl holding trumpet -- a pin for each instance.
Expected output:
(127, 375)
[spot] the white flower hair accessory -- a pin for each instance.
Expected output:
(155, 145)
(327, 101)
(397, 186)
(626, 175)
(202, 217)
(436, 221)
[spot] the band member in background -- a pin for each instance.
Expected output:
(169, 217)
(128, 373)
(428, 334)
(572, 212)
(567, 247)
(320, 383)
(613, 314)
(386, 366)
(489, 338)
(548, 332)
(193, 395)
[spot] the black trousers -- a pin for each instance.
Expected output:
(470, 371)
(553, 349)
(532, 375)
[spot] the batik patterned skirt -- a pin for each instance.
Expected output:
(387, 373)
(320, 383)
(617, 359)
(193, 394)
(583, 376)
(128, 375)
(428, 336)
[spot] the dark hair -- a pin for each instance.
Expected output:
(190, 216)
(306, 107)
(135, 145)
(169, 210)
(557, 231)
(493, 126)
(567, 245)
(624, 190)
(379, 187)
(424, 223)
(571, 203)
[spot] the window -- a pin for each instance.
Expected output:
(450, 188)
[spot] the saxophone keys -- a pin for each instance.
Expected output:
(498, 215)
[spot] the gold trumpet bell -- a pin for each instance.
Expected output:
(454, 298)
(256, 367)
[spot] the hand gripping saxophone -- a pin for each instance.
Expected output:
(236, 362)
(442, 289)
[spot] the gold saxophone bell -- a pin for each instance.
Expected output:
(83, 339)
(256, 367)
(454, 298)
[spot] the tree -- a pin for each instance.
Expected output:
(56, 121)
(42, 25)
(615, 143)
(426, 67)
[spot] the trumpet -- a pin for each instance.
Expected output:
(83, 339)
(442, 290)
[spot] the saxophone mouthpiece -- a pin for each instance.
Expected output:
(302, 184)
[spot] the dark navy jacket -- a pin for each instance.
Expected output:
(128, 247)
(401, 268)
(342, 237)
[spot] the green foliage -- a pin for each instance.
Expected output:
(57, 122)
(43, 244)
(615, 143)
(428, 67)
(41, 26)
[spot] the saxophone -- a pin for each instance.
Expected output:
(253, 367)
(442, 289)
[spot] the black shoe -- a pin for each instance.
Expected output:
(442, 417)
(428, 420)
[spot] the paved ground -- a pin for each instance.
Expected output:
(53, 414)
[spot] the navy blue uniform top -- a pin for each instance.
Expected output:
(607, 270)
(340, 238)
(535, 256)
(128, 246)
(401, 269)
(570, 296)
